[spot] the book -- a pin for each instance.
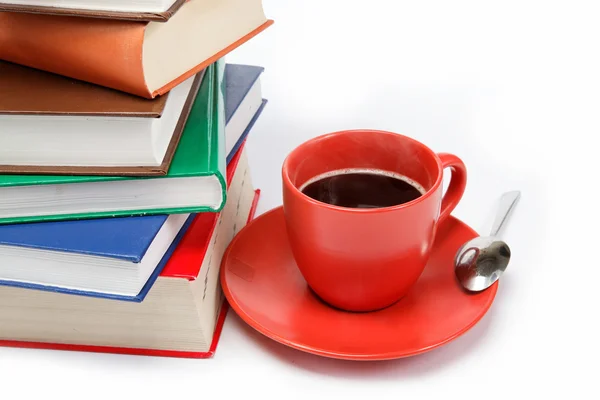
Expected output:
(180, 317)
(57, 125)
(243, 102)
(117, 258)
(195, 181)
(143, 58)
(140, 10)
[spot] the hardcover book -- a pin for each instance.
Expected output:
(195, 181)
(57, 125)
(243, 101)
(143, 58)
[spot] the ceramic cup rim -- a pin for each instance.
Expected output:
(287, 181)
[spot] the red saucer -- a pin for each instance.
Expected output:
(264, 287)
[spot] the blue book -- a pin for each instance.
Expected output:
(117, 258)
(243, 90)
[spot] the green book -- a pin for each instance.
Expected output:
(195, 181)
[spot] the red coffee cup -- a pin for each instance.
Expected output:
(360, 259)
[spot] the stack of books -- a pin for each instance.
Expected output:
(123, 174)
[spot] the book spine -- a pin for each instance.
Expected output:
(101, 51)
(219, 153)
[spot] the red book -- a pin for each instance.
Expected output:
(182, 315)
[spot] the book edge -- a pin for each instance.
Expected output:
(117, 15)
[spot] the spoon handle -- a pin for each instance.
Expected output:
(507, 204)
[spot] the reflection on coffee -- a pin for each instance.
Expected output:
(362, 188)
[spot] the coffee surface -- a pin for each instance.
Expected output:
(370, 189)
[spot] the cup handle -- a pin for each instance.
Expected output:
(457, 185)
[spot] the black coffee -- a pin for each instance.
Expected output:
(362, 189)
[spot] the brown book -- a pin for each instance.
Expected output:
(146, 59)
(49, 7)
(56, 125)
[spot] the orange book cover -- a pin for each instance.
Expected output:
(142, 58)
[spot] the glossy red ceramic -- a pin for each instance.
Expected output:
(366, 259)
(265, 288)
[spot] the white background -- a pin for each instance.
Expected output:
(513, 88)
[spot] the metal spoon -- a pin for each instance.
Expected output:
(481, 261)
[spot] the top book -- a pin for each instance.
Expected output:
(146, 59)
(137, 10)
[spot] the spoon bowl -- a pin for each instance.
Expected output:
(481, 261)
